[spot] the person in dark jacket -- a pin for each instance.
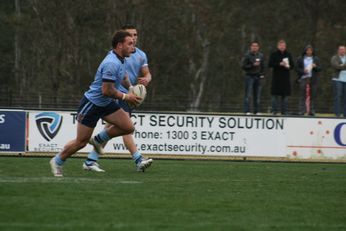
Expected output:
(307, 68)
(281, 61)
(253, 65)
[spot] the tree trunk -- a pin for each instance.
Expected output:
(200, 76)
(17, 50)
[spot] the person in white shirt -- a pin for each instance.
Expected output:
(308, 68)
(338, 62)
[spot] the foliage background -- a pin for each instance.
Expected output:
(50, 50)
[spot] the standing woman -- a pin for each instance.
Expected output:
(308, 68)
(281, 61)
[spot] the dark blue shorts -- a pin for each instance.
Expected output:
(88, 113)
(125, 106)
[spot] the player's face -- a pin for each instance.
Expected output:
(134, 35)
(127, 46)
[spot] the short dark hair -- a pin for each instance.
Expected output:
(128, 26)
(119, 37)
(255, 41)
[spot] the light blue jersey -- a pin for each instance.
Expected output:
(134, 64)
(112, 69)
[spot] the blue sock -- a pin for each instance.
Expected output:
(137, 157)
(102, 137)
(92, 157)
(58, 159)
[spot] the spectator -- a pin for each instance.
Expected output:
(281, 61)
(253, 65)
(308, 68)
(338, 62)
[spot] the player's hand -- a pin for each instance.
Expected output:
(143, 80)
(132, 99)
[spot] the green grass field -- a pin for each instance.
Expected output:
(172, 195)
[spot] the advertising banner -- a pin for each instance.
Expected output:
(316, 138)
(49, 131)
(203, 134)
(12, 131)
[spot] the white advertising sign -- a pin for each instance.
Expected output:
(202, 134)
(316, 138)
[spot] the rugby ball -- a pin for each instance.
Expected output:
(140, 91)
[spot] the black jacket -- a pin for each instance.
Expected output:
(315, 71)
(248, 61)
(281, 84)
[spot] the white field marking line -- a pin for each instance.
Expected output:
(126, 225)
(64, 180)
(62, 225)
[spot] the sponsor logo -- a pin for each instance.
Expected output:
(48, 124)
(338, 134)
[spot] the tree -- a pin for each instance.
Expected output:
(51, 49)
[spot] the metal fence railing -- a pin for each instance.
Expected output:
(170, 103)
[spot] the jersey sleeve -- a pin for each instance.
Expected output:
(144, 60)
(109, 72)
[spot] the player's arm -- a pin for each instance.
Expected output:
(109, 90)
(126, 82)
(146, 76)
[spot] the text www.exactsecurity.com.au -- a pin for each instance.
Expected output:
(185, 148)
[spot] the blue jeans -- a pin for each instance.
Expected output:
(252, 89)
(339, 98)
(284, 104)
